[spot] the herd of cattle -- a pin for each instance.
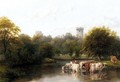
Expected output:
(87, 66)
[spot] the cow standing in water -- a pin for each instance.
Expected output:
(85, 66)
(67, 67)
(96, 67)
(91, 67)
(75, 66)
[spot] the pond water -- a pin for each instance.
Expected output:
(53, 73)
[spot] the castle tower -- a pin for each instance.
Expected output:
(79, 32)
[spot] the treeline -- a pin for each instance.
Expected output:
(21, 49)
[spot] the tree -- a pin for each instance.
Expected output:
(37, 37)
(98, 42)
(46, 50)
(115, 47)
(25, 55)
(8, 34)
(42, 45)
(57, 45)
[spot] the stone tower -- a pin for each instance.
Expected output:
(79, 32)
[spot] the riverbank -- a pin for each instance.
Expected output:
(111, 65)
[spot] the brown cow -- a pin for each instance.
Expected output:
(113, 59)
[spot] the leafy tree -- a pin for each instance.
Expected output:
(22, 55)
(115, 47)
(25, 39)
(68, 36)
(46, 50)
(57, 44)
(42, 45)
(27, 52)
(78, 46)
(98, 42)
(8, 34)
(37, 37)
(68, 47)
(67, 44)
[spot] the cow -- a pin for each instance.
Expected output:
(67, 66)
(113, 59)
(75, 67)
(81, 64)
(98, 66)
(70, 66)
(85, 65)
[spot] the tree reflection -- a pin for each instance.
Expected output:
(13, 73)
(53, 74)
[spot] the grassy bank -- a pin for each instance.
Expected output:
(112, 65)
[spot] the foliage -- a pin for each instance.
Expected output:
(112, 65)
(23, 55)
(115, 47)
(30, 51)
(46, 50)
(24, 50)
(98, 41)
(8, 34)
(67, 44)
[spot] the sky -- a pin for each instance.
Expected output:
(57, 17)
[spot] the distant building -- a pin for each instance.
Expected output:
(79, 32)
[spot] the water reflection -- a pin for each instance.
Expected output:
(98, 76)
(25, 73)
(55, 74)
(79, 77)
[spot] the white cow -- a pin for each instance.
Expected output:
(75, 67)
(96, 67)
(67, 66)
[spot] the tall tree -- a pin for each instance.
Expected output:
(98, 41)
(8, 33)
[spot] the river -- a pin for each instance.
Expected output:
(53, 73)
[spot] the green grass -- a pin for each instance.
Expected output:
(48, 60)
(110, 64)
